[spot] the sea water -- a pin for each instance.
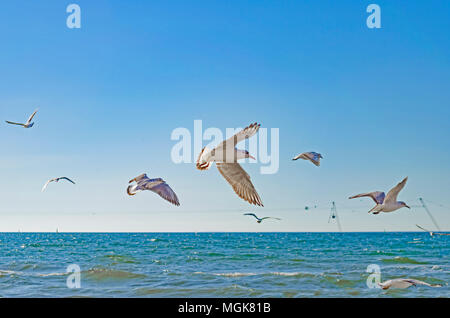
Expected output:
(221, 264)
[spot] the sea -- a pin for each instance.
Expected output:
(223, 265)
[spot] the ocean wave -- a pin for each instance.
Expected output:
(292, 274)
(230, 291)
(235, 274)
(108, 274)
(242, 274)
(117, 258)
(402, 260)
(53, 274)
(156, 240)
(339, 281)
(8, 273)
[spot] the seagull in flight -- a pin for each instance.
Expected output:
(385, 203)
(312, 156)
(259, 220)
(55, 180)
(431, 233)
(28, 124)
(225, 155)
(404, 283)
(158, 186)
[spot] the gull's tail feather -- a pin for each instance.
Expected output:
(204, 165)
(375, 209)
(129, 192)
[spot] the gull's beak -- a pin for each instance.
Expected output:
(407, 206)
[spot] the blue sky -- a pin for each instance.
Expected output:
(374, 102)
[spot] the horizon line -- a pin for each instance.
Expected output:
(211, 232)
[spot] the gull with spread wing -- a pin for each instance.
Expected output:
(157, 185)
(225, 155)
(312, 156)
(259, 220)
(385, 203)
(431, 232)
(28, 124)
(404, 283)
(55, 180)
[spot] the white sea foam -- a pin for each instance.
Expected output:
(240, 274)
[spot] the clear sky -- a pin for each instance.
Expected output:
(374, 102)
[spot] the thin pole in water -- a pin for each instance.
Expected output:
(429, 213)
(334, 215)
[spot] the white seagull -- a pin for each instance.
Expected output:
(312, 156)
(225, 155)
(404, 283)
(158, 186)
(385, 203)
(55, 180)
(28, 124)
(431, 233)
(259, 220)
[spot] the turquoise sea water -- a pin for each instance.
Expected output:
(220, 264)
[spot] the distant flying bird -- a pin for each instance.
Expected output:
(431, 233)
(225, 155)
(158, 186)
(312, 156)
(55, 180)
(404, 283)
(259, 220)
(28, 124)
(385, 203)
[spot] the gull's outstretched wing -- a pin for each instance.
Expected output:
(416, 282)
(65, 178)
(377, 196)
(314, 157)
(269, 217)
(405, 283)
(31, 117)
(252, 214)
(13, 123)
(395, 283)
(164, 191)
(46, 184)
(240, 136)
(240, 181)
(393, 193)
